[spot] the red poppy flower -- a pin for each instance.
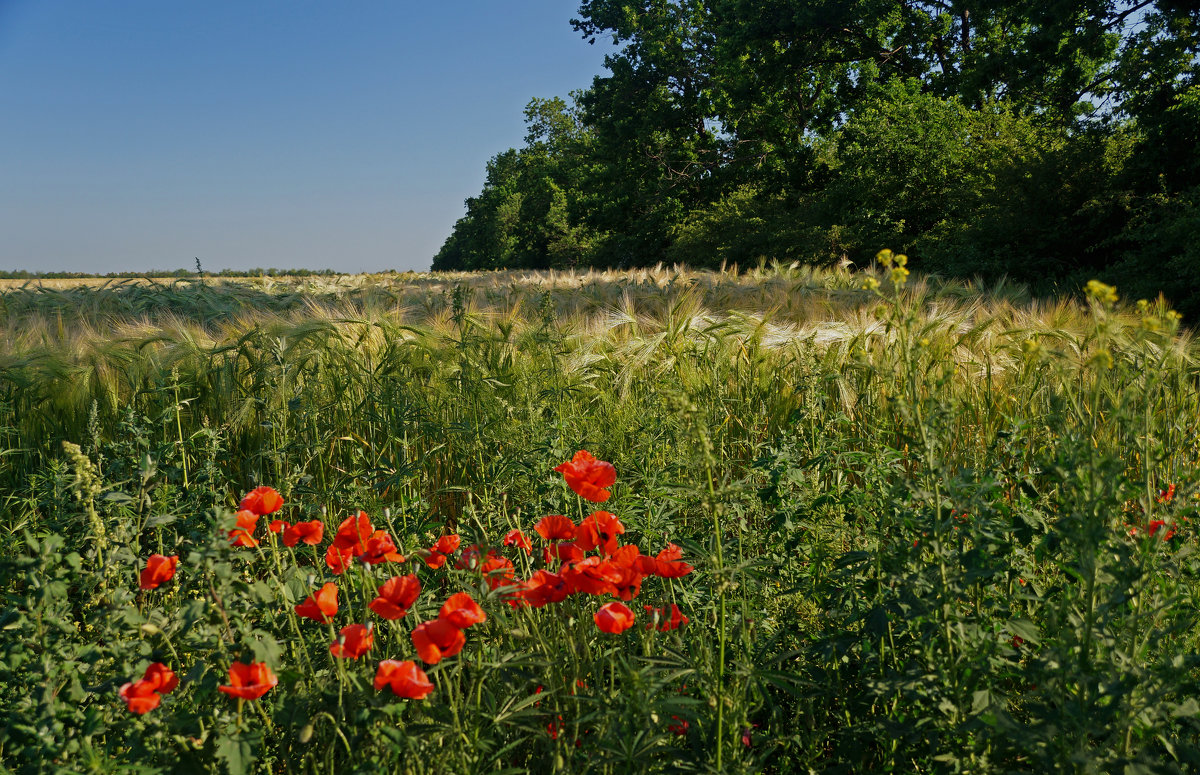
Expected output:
(405, 678)
(472, 556)
(518, 539)
(680, 727)
(158, 569)
(278, 526)
(599, 531)
(462, 611)
(139, 696)
(435, 556)
(354, 641)
(628, 583)
(588, 476)
(567, 553)
(545, 588)
(161, 677)
(1152, 529)
(627, 556)
(446, 544)
(338, 560)
(669, 565)
(249, 682)
(262, 501)
(469, 559)
(628, 560)
(322, 606)
(145, 694)
(396, 596)
(436, 639)
(1158, 524)
(665, 619)
(555, 527)
(515, 594)
(353, 532)
(242, 535)
(380, 548)
(1166, 496)
(593, 576)
(613, 618)
(498, 571)
(310, 533)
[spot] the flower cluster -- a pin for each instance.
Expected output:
(587, 558)
(144, 695)
(614, 569)
(357, 539)
(259, 502)
(444, 636)
(588, 477)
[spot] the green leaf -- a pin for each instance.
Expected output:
(1026, 629)
(159, 520)
(1188, 708)
(265, 648)
(237, 753)
(262, 593)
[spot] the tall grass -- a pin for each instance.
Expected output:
(920, 515)
(350, 369)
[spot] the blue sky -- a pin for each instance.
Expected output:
(139, 134)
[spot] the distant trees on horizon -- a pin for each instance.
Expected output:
(23, 274)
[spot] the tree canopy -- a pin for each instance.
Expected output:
(1034, 138)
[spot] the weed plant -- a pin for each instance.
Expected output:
(935, 527)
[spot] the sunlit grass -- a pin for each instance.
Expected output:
(880, 488)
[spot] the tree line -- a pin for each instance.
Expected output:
(1044, 140)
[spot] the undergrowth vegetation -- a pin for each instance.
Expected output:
(933, 527)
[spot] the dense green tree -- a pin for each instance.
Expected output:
(1037, 138)
(656, 145)
(528, 212)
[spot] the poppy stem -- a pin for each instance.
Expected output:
(720, 570)
(265, 716)
(171, 647)
(221, 610)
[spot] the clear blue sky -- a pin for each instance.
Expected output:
(138, 134)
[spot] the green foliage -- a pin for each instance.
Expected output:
(1046, 142)
(1161, 256)
(745, 227)
(529, 212)
(967, 190)
(909, 165)
(923, 521)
